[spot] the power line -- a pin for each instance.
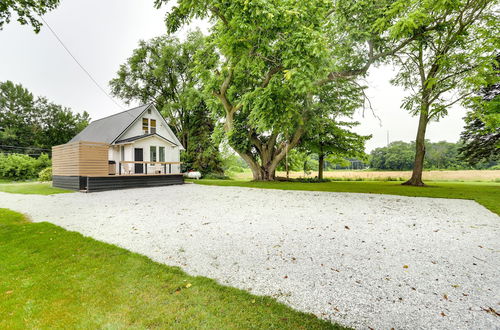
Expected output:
(18, 147)
(80, 65)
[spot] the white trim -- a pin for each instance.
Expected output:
(169, 130)
(147, 137)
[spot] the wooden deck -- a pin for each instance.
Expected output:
(165, 168)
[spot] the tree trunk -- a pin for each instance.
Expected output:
(266, 171)
(321, 165)
(265, 174)
(418, 165)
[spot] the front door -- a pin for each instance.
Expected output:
(138, 157)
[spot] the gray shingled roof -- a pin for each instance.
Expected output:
(107, 129)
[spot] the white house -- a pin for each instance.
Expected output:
(139, 135)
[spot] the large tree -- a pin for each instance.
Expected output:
(161, 71)
(34, 122)
(268, 60)
(481, 135)
(17, 113)
(57, 124)
(442, 66)
(27, 11)
(329, 131)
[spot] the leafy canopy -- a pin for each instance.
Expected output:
(26, 121)
(445, 64)
(263, 68)
(26, 11)
(161, 70)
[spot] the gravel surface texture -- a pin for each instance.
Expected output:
(362, 260)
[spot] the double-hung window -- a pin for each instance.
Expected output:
(152, 126)
(161, 151)
(152, 153)
(148, 126)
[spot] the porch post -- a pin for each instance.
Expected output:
(170, 168)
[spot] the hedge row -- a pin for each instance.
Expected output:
(22, 167)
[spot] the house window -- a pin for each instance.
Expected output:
(145, 126)
(152, 154)
(122, 153)
(152, 126)
(162, 153)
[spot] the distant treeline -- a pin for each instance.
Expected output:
(32, 125)
(400, 155)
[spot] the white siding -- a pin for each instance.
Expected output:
(172, 154)
(136, 128)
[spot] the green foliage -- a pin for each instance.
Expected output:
(267, 64)
(448, 57)
(454, 52)
(161, 71)
(303, 180)
(26, 121)
(236, 169)
(27, 11)
(439, 155)
(481, 135)
(45, 175)
(202, 153)
(216, 176)
(335, 161)
(230, 159)
(329, 133)
(299, 160)
(22, 167)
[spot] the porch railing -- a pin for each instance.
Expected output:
(132, 164)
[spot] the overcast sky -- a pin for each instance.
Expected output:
(101, 34)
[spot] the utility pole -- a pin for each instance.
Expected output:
(387, 137)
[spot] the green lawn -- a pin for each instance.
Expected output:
(486, 194)
(39, 188)
(53, 278)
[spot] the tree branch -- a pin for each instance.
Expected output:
(269, 75)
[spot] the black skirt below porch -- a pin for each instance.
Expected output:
(111, 182)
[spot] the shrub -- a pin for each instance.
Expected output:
(22, 167)
(235, 169)
(216, 176)
(45, 174)
(302, 180)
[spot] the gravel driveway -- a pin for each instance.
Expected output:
(361, 260)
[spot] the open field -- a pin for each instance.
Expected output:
(465, 175)
(54, 278)
(485, 193)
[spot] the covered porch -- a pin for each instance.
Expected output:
(126, 167)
